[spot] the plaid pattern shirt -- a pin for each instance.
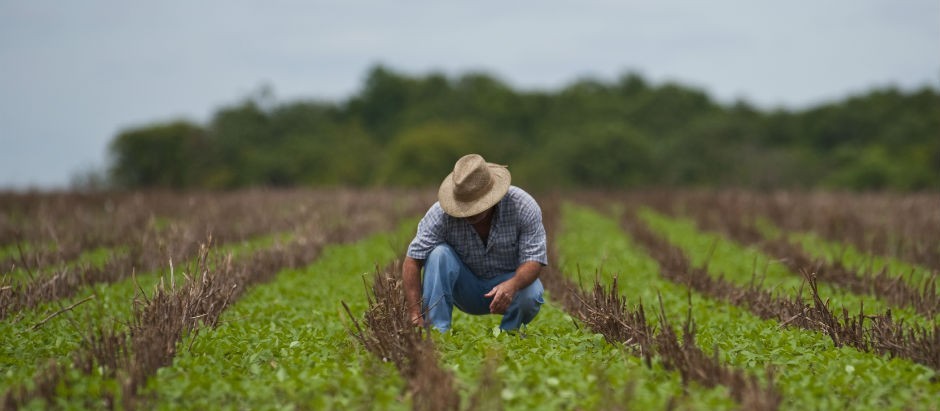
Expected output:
(516, 236)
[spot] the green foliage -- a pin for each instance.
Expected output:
(559, 364)
(810, 372)
(92, 258)
(24, 349)
(285, 344)
(426, 150)
(408, 130)
(874, 167)
(594, 155)
(850, 256)
(12, 251)
(742, 265)
(165, 155)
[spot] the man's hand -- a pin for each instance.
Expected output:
(502, 296)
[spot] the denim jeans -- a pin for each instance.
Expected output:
(448, 283)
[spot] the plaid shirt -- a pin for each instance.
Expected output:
(516, 236)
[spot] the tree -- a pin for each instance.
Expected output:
(423, 155)
(596, 155)
(379, 105)
(408, 130)
(162, 155)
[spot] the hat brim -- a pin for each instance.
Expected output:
(455, 208)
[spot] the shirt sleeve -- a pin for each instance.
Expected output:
(430, 233)
(532, 243)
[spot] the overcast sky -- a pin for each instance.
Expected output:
(74, 73)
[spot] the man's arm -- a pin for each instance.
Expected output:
(503, 293)
(411, 281)
(532, 253)
(429, 235)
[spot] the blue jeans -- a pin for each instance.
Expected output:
(448, 283)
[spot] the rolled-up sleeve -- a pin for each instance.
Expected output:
(532, 242)
(430, 233)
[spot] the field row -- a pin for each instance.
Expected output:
(104, 240)
(104, 323)
(60, 227)
(699, 321)
(565, 367)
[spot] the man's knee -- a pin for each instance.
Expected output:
(441, 253)
(530, 298)
(442, 261)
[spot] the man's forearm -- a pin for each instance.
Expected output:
(526, 274)
(411, 281)
(504, 292)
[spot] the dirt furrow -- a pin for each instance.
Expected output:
(892, 288)
(148, 249)
(902, 226)
(387, 332)
(605, 311)
(877, 333)
(173, 311)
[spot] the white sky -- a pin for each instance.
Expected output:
(74, 73)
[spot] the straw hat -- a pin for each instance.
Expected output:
(473, 186)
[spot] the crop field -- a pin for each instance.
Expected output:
(292, 299)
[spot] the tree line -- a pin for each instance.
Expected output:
(407, 130)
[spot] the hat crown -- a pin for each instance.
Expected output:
(473, 186)
(472, 178)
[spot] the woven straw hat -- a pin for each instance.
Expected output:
(473, 186)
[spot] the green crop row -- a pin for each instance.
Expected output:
(96, 258)
(818, 247)
(741, 265)
(559, 364)
(810, 372)
(27, 346)
(285, 344)
(13, 251)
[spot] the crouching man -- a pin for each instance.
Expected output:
(482, 246)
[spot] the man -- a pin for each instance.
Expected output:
(482, 246)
